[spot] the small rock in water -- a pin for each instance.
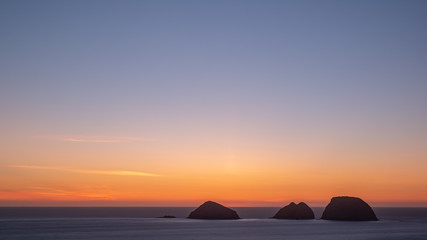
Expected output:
(348, 209)
(294, 211)
(213, 210)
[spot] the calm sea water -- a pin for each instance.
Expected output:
(142, 223)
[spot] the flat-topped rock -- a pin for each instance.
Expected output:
(348, 209)
(294, 211)
(213, 210)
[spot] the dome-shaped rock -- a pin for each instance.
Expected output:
(294, 211)
(348, 209)
(213, 210)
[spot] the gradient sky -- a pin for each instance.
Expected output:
(249, 103)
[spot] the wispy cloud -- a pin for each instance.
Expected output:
(47, 191)
(86, 171)
(103, 139)
(96, 139)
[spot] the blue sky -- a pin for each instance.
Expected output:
(359, 63)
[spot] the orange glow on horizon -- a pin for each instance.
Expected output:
(52, 172)
(232, 186)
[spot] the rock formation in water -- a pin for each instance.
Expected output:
(168, 216)
(348, 209)
(294, 211)
(213, 210)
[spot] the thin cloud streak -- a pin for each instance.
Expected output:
(120, 173)
(88, 140)
(97, 139)
(103, 139)
(62, 192)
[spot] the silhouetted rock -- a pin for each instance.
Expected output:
(294, 211)
(213, 210)
(348, 209)
(168, 216)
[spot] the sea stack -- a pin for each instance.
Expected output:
(294, 211)
(213, 210)
(348, 209)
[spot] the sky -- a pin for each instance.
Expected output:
(248, 103)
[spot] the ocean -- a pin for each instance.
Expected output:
(143, 223)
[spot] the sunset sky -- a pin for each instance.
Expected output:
(248, 103)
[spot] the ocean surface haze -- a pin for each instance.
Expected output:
(142, 223)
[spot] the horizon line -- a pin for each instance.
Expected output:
(23, 203)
